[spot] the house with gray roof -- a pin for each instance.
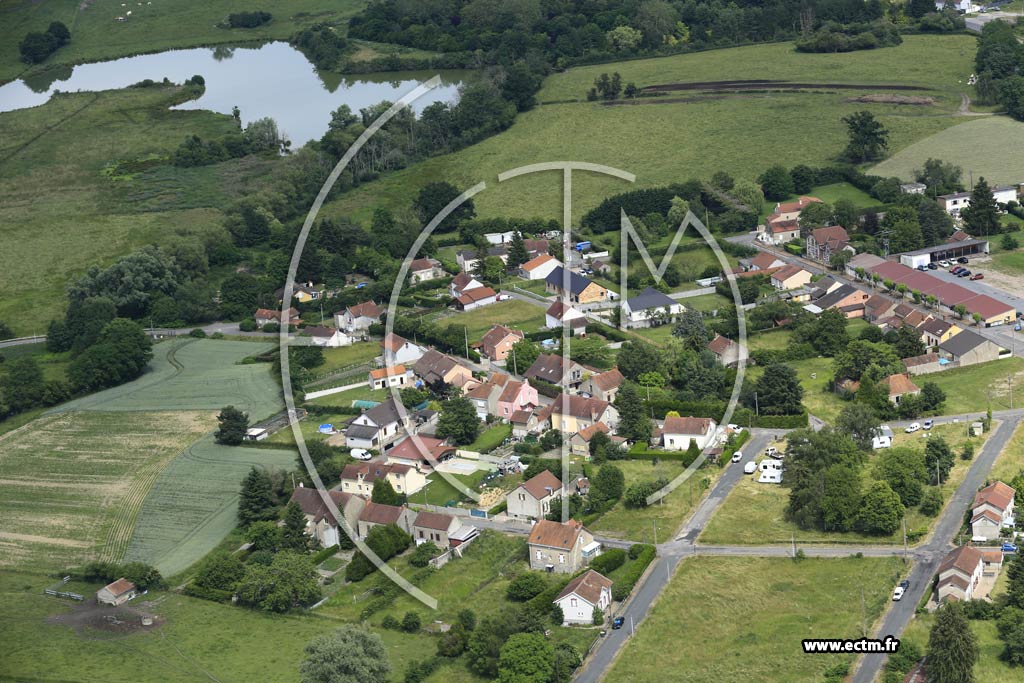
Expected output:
(377, 428)
(650, 307)
(970, 348)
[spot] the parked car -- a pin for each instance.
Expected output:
(737, 456)
(735, 427)
(360, 454)
(1009, 548)
(933, 266)
(944, 263)
(750, 467)
(922, 268)
(617, 623)
(963, 273)
(928, 424)
(905, 584)
(977, 276)
(771, 451)
(897, 594)
(962, 259)
(955, 269)
(912, 427)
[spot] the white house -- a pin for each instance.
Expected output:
(329, 337)
(539, 267)
(959, 574)
(394, 376)
(992, 511)
(356, 320)
(1004, 194)
(378, 427)
(462, 282)
(475, 298)
(424, 269)
(401, 351)
(678, 432)
(582, 595)
(648, 307)
(953, 204)
(116, 593)
(559, 312)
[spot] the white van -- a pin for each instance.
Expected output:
(750, 467)
(914, 426)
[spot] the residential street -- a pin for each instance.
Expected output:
(925, 558)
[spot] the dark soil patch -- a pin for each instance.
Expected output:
(91, 619)
(767, 85)
(893, 99)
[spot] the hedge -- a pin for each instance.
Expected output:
(499, 508)
(212, 594)
(608, 561)
(661, 406)
(624, 586)
(640, 452)
(323, 554)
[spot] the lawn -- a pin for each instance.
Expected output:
(196, 640)
(977, 387)
(194, 501)
(53, 365)
(741, 135)
(815, 374)
(743, 619)
(754, 513)
(439, 491)
(986, 146)
(346, 356)
(72, 484)
(490, 438)
(664, 518)
(61, 213)
(1011, 459)
(830, 194)
(345, 398)
(513, 313)
(96, 36)
(194, 374)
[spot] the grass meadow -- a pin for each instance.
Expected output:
(742, 134)
(514, 313)
(990, 146)
(754, 513)
(742, 619)
(60, 213)
(72, 484)
(159, 25)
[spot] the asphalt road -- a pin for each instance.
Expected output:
(900, 613)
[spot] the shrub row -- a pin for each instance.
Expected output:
(641, 558)
(608, 561)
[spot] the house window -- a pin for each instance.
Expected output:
(561, 558)
(572, 602)
(539, 555)
(522, 496)
(421, 534)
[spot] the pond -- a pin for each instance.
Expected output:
(273, 79)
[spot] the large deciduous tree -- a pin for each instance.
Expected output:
(350, 654)
(526, 658)
(232, 425)
(458, 421)
(868, 139)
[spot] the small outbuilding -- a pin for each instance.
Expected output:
(116, 593)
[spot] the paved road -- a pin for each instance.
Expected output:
(929, 556)
(670, 554)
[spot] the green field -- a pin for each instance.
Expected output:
(96, 35)
(197, 640)
(190, 374)
(60, 213)
(742, 135)
(991, 146)
(976, 387)
(72, 484)
(193, 503)
(742, 619)
(514, 313)
(662, 519)
(345, 356)
(754, 513)
(490, 438)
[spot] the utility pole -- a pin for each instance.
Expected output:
(757, 408)
(904, 538)
(515, 367)
(863, 618)
(465, 333)
(655, 531)
(793, 539)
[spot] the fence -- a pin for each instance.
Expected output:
(338, 374)
(443, 559)
(64, 594)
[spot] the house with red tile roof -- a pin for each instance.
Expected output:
(425, 269)
(461, 283)
(677, 433)
(992, 511)
(378, 514)
(477, 297)
(358, 478)
(560, 548)
(583, 595)
(420, 451)
(356, 319)
(116, 593)
(397, 350)
(790, 277)
(899, 386)
(822, 243)
(434, 527)
(273, 315)
(498, 341)
(321, 523)
(394, 376)
(960, 574)
(603, 385)
(726, 350)
(783, 225)
(539, 267)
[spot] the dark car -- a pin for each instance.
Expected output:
(904, 584)
(617, 623)
(963, 273)
(933, 266)
(962, 259)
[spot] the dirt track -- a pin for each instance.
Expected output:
(764, 84)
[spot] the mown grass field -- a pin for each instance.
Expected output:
(60, 214)
(754, 513)
(513, 313)
(160, 25)
(190, 374)
(741, 135)
(991, 146)
(742, 619)
(72, 484)
(345, 356)
(193, 503)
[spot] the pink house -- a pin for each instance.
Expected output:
(516, 396)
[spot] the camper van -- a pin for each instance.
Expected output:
(771, 471)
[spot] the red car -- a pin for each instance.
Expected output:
(977, 276)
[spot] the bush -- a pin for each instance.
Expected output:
(248, 19)
(423, 554)
(197, 333)
(931, 502)
(526, 586)
(624, 586)
(598, 616)
(608, 561)
(390, 623)
(247, 325)
(411, 622)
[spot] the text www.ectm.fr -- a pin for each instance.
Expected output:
(832, 645)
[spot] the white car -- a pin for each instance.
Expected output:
(750, 467)
(360, 454)
(737, 456)
(735, 428)
(944, 263)
(913, 427)
(897, 594)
